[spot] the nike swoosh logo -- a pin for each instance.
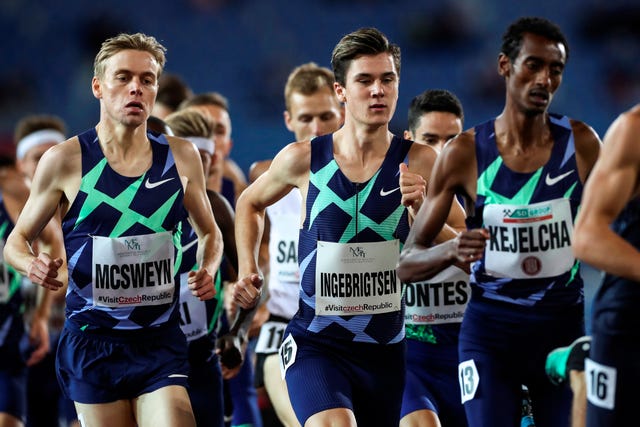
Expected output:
(386, 193)
(150, 185)
(186, 247)
(178, 376)
(552, 181)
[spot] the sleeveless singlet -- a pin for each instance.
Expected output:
(348, 248)
(617, 293)
(528, 259)
(122, 239)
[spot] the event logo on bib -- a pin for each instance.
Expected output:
(530, 241)
(133, 270)
(357, 278)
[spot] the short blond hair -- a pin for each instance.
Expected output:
(137, 41)
(206, 99)
(307, 79)
(186, 123)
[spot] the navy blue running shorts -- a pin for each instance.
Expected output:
(366, 378)
(106, 366)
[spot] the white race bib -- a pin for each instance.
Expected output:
(531, 241)
(283, 250)
(288, 352)
(270, 337)
(601, 384)
(357, 278)
(469, 379)
(193, 312)
(442, 299)
(133, 270)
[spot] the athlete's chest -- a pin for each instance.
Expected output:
(126, 158)
(521, 160)
(356, 170)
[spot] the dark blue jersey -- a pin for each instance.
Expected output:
(344, 212)
(616, 292)
(122, 238)
(530, 219)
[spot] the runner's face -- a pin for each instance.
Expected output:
(535, 75)
(370, 93)
(435, 128)
(313, 115)
(129, 86)
(221, 127)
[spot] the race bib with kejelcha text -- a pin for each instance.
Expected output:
(439, 300)
(133, 270)
(530, 241)
(357, 278)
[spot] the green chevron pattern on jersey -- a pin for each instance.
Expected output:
(522, 197)
(129, 217)
(327, 197)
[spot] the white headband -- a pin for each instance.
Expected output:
(202, 143)
(39, 137)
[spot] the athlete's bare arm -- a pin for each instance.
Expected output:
(16, 192)
(197, 204)
(225, 218)
(257, 169)
(414, 184)
(454, 172)
(414, 177)
(289, 169)
(613, 182)
(54, 186)
(587, 145)
(50, 241)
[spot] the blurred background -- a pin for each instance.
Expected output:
(246, 48)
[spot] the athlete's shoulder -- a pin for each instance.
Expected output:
(460, 147)
(296, 155)
(622, 136)
(421, 158)
(258, 168)
(176, 142)
(583, 133)
(62, 158)
(464, 138)
(627, 122)
(587, 145)
(183, 150)
(457, 163)
(69, 147)
(633, 113)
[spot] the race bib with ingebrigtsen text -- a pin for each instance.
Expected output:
(357, 278)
